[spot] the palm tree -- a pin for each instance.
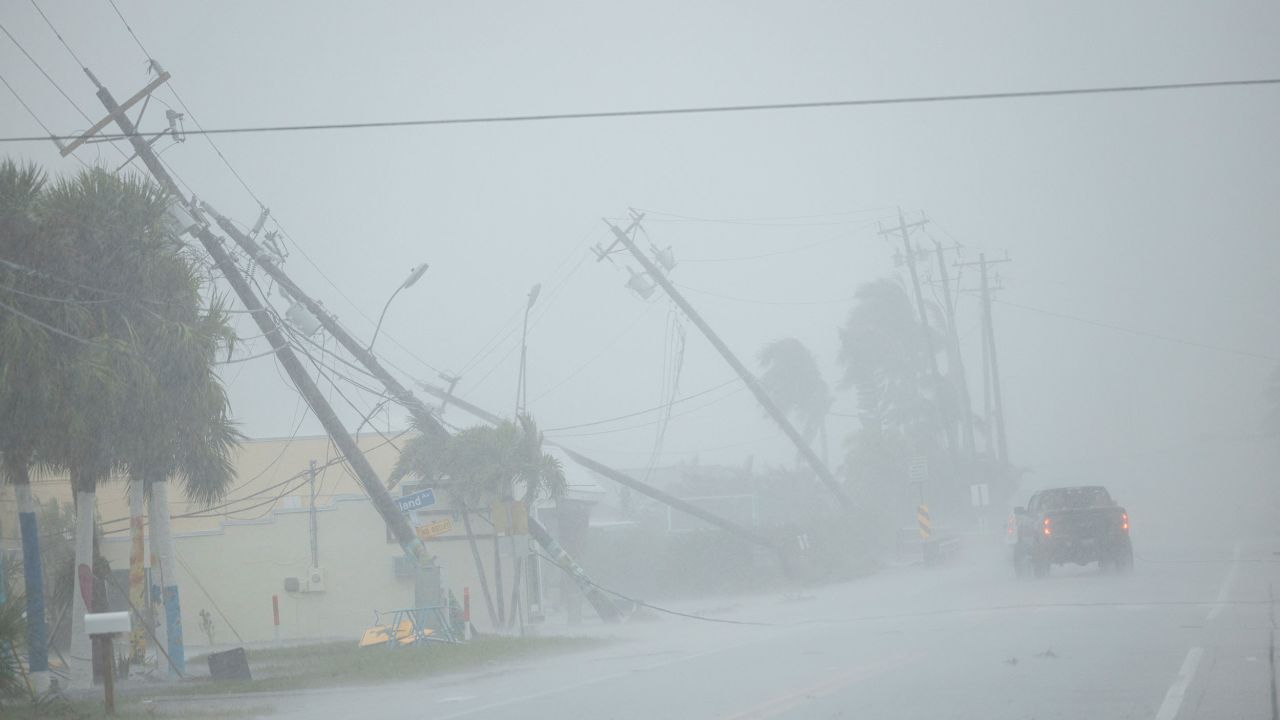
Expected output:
(886, 362)
(482, 465)
(182, 429)
(28, 353)
(140, 341)
(795, 382)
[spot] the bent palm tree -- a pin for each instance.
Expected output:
(482, 465)
(795, 382)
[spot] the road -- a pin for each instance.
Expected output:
(1185, 636)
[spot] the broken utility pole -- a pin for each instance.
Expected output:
(754, 385)
(426, 420)
(306, 386)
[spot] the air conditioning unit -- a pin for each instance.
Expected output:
(403, 566)
(315, 580)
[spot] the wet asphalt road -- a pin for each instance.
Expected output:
(1185, 636)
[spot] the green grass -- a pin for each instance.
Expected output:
(336, 664)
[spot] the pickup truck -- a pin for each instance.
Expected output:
(1070, 525)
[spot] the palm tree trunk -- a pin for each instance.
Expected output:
(475, 555)
(32, 574)
(81, 656)
(497, 574)
(155, 586)
(137, 580)
(169, 576)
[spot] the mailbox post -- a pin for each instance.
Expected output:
(100, 627)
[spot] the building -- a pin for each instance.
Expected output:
(258, 544)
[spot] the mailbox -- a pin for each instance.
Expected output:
(107, 623)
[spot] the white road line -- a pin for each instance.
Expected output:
(1173, 699)
(1225, 590)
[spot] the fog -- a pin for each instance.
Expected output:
(1134, 319)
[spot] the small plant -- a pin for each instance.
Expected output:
(206, 624)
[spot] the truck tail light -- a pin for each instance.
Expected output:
(1124, 521)
(1048, 527)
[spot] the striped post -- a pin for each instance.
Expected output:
(923, 522)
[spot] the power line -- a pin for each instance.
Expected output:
(43, 72)
(607, 347)
(777, 221)
(638, 426)
(1142, 333)
(59, 36)
(833, 301)
(704, 109)
(646, 411)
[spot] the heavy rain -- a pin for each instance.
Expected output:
(639, 360)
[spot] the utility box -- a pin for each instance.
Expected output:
(229, 665)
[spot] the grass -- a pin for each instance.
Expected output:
(127, 710)
(337, 664)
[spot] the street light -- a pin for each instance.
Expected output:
(522, 389)
(414, 275)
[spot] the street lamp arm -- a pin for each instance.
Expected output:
(382, 316)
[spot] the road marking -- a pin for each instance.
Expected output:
(1221, 602)
(1173, 699)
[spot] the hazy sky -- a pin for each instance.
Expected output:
(1156, 212)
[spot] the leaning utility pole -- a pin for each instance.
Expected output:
(904, 229)
(955, 359)
(214, 245)
(991, 365)
(752, 383)
(426, 420)
(990, 339)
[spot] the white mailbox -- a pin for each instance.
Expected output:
(107, 623)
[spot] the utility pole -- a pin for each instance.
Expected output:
(315, 534)
(990, 339)
(306, 386)
(904, 229)
(993, 400)
(955, 359)
(752, 383)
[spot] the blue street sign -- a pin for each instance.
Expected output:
(416, 501)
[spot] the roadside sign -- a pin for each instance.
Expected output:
(924, 524)
(416, 501)
(918, 468)
(435, 528)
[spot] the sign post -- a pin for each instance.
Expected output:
(100, 627)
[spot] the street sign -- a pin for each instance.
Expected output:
(416, 501)
(918, 468)
(435, 528)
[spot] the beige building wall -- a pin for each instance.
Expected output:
(235, 556)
